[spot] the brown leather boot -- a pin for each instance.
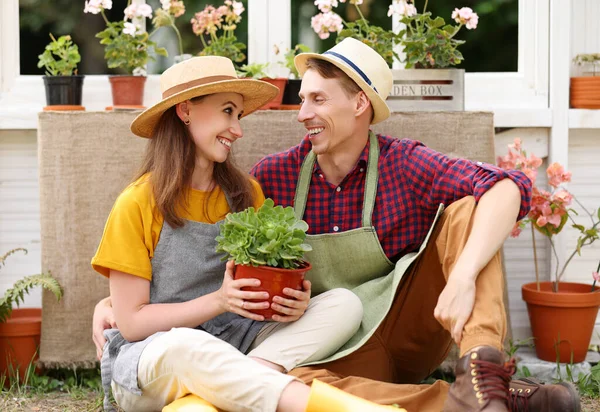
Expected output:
(482, 380)
(531, 395)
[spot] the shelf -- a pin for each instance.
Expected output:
(584, 119)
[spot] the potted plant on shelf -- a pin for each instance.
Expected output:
(427, 42)
(64, 87)
(128, 47)
(562, 314)
(266, 244)
(20, 329)
(585, 89)
(290, 95)
(258, 71)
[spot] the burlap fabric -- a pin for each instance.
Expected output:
(86, 159)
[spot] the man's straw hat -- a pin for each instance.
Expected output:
(200, 76)
(363, 65)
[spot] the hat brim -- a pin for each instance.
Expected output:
(381, 111)
(255, 93)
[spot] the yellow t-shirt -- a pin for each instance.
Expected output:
(133, 226)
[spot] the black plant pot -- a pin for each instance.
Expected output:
(290, 94)
(63, 90)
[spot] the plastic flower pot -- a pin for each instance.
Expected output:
(19, 341)
(272, 280)
(290, 94)
(561, 322)
(63, 90)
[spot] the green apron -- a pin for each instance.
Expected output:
(355, 259)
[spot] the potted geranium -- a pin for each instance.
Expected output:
(290, 94)
(585, 89)
(20, 329)
(64, 87)
(427, 42)
(266, 244)
(128, 47)
(562, 314)
(259, 71)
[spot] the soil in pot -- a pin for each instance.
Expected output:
(19, 341)
(63, 90)
(561, 323)
(272, 280)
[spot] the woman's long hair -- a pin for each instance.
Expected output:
(170, 158)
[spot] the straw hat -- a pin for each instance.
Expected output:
(363, 65)
(200, 76)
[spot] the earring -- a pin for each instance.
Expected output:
(187, 121)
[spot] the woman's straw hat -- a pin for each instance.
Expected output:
(363, 65)
(200, 76)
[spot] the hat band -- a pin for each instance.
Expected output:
(355, 67)
(199, 82)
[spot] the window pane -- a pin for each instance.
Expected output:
(492, 47)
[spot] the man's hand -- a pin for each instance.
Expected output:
(455, 304)
(292, 309)
(104, 318)
(233, 299)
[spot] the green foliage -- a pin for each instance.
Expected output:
(254, 70)
(60, 57)
(382, 41)
(16, 294)
(429, 42)
(127, 51)
(289, 56)
(225, 46)
(270, 236)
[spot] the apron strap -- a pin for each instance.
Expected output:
(306, 170)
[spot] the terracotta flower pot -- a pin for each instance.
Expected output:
(280, 82)
(561, 322)
(127, 90)
(272, 280)
(19, 341)
(585, 92)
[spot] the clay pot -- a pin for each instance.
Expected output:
(127, 90)
(280, 82)
(272, 280)
(19, 341)
(585, 92)
(561, 322)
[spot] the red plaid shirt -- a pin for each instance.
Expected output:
(413, 181)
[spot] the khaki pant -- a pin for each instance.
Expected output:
(410, 343)
(184, 360)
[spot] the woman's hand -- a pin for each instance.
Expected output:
(292, 309)
(104, 318)
(235, 300)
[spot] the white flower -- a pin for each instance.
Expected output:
(93, 6)
(130, 11)
(139, 71)
(166, 4)
(138, 10)
(130, 29)
(466, 16)
(402, 8)
(107, 4)
(326, 5)
(325, 23)
(238, 8)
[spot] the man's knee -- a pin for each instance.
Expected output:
(344, 304)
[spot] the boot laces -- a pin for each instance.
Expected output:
(494, 379)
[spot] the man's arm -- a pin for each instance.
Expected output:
(493, 221)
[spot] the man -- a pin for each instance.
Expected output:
(371, 203)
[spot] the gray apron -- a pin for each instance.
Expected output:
(355, 259)
(185, 266)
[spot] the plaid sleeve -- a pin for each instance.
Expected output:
(436, 178)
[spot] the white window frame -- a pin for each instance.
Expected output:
(518, 99)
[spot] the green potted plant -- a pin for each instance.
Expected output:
(585, 89)
(266, 244)
(427, 42)
(562, 314)
(64, 87)
(20, 329)
(128, 47)
(258, 71)
(290, 94)
(165, 17)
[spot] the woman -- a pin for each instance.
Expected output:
(183, 327)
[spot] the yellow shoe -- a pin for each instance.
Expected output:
(190, 403)
(326, 398)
